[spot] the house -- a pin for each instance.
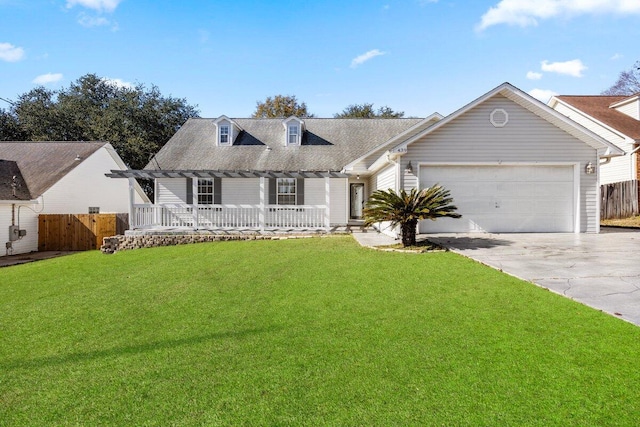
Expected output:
(512, 164)
(56, 177)
(614, 118)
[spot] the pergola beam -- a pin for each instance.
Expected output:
(152, 174)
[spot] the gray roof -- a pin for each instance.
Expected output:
(42, 164)
(327, 145)
(12, 184)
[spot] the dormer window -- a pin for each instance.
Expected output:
(223, 135)
(293, 135)
(294, 129)
(227, 131)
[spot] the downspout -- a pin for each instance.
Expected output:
(634, 165)
(9, 245)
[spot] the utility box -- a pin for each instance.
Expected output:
(15, 233)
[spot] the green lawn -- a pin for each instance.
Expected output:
(303, 332)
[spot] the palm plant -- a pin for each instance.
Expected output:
(406, 209)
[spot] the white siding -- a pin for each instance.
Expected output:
(619, 168)
(526, 138)
(315, 194)
(171, 190)
(242, 191)
(386, 179)
(86, 185)
(631, 109)
(339, 201)
(28, 220)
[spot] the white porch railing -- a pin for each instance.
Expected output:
(229, 216)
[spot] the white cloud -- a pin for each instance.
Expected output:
(11, 53)
(572, 68)
(526, 13)
(99, 5)
(616, 56)
(361, 59)
(91, 21)
(532, 75)
(118, 83)
(542, 94)
(44, 79)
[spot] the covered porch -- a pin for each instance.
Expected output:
(265, 215)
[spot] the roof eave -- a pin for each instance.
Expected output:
(588, 116)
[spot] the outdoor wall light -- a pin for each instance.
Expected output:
(409, 168)
(590, 168)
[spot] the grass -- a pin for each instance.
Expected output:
(633, 222)
(303, 332)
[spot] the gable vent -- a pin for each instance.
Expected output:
(499, 117)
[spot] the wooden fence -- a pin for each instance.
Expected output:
(619, 200)
(78, 232)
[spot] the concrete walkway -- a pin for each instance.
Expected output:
(599, 270)
(7, 261)
(371, 238)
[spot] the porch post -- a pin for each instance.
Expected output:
(327, 202)
(132, 201)
(261, 216)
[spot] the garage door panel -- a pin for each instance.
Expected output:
(552, 190)
(510, 198)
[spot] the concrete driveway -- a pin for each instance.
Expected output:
(599, 270)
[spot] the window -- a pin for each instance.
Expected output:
(94, 209)
(205, 191)
(293, 136)
(224, 134)
(286, 191)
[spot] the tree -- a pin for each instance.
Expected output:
(9, 127)
(137, 121)
(628, 82)
(366, 111)
(281, 106)
(406, 209)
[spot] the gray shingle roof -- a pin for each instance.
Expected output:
(12, 184)
(42, 164)
(327, 144)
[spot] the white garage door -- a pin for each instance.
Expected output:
(504, 199)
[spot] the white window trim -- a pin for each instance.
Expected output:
(293, 123)
(290, 134)
(199, 193)
(228, 134)
(295, 192)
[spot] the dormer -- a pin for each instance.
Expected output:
(629, 106)
(294, 128)
(226, 131)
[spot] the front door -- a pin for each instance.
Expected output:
(356, 200)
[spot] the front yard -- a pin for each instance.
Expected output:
(303, 332)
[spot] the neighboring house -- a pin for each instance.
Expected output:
(53, 178)
(614, 118)
(512, 164)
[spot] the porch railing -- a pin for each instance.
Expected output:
(229, 216)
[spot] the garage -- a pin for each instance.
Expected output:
(505, 198)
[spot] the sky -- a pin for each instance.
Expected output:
(415, 56)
